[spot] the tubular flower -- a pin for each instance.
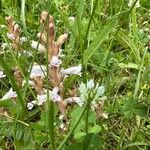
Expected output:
(31, 104)
(38, 71)
(72, 70)
(55, 96)
(55, 61)
(2, 75)
(10, 94)
(38, 46)
(76, 100)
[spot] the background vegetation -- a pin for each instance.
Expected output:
(111, 40)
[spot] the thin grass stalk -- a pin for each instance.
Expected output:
(50, 104)
(134, 20)
(85, 40)
(90, 22)
(11, 118)
(23, 3)
(137, 85)
(87, 116)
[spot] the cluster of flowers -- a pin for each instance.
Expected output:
(56, 74)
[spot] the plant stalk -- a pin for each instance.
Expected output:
(87, 116)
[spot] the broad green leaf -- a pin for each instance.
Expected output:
(141, 110)
(128, 107)
(86, 140)
(74, 116)
(95, 129)
(96, 142)
(79, 135)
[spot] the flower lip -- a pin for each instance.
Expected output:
(30, 106)
(77, 100)
(38, 71)
(10, 94)
(39, 46)
(11, 36)
(55, 61)
(55, 96)
(2, 75)
(76, 70)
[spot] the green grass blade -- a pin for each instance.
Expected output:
(99, 39)
(8, 71)
(126, 41)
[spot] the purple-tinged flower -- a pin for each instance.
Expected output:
(55, 61)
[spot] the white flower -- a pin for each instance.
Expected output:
(72, 70)
(77, 100)
(40, 47)
(4, 45)
(2, 75)
(26, 53)
(61, 117)
(104, 115)
(10, 94)
(30, 82)
(62, 126)
(83, 91)
(3, 26)
(55, 62)
(55, 96)
(41, 99)
(101, 90)
(31, 104)
(22, 40)
(91, 91)
(16, 27)
(11, 36)
(72, 18)
(38, 71)
(90, 84)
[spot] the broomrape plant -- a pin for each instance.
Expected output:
(46, 82)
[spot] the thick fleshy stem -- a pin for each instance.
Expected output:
(87, 116)
(53, 49)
